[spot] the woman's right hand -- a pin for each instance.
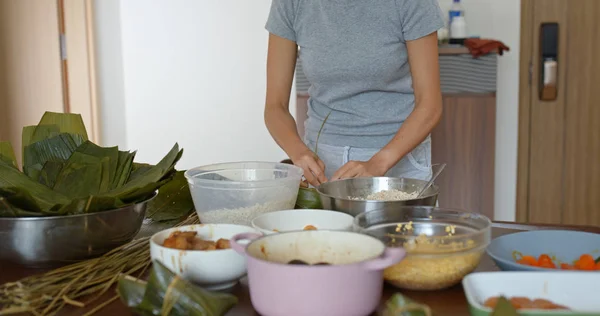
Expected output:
(314, 168)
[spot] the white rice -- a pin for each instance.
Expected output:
(244, 215)
(388, 195)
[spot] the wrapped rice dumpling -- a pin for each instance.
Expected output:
(308, 198)
(167, 294)
(400, 305)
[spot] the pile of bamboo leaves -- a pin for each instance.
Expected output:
(65, 174)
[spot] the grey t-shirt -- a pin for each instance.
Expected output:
(354, 55)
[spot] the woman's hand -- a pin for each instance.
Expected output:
(314, 168)
(355, 169)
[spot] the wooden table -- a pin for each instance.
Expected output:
(448, 302)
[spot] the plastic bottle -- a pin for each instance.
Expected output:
(455, 10)
(458, 30)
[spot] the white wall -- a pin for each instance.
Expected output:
(500, 19)
(109, 67)
(193, 73)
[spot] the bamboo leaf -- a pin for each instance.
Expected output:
(58, 148)
(169, 294)
(138, 170)
(42, 132)
(83, 175)
(7, 209)
(43, 196)
(173, 202)
(7, 154)
(20, 199)
(66, 122)
(131, 291)
(26, 136)
(50, 173)
(124, 168)
(91, 204)
(112, 153)
(308, 198)
(152, 175)
(400, 305)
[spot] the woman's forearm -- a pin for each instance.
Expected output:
(282, 127)
(413, 131)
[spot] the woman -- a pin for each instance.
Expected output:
(374, 75)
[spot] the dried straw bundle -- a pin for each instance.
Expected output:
(48, 293)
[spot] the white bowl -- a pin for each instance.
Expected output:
(291, 220)
(213, 270)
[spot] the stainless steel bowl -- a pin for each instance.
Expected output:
(337, 195)
(60, 240)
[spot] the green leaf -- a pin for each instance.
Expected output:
(20, 199)
(41, 132)
(111, 153)
(9, 210)
(91, 204)
(504, 308)
(26, 136)
(400, 305)
(58, 148)
(169, 294)
(131, 291)
(152, 175)
(308, 198)
(124, 168)
(66, 122)
(43, 196)
(173, 201)
(50, 172)
(138, 170)
(7, 154)
(597, 260)
(83, 175)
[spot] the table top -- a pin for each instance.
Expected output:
(447, 302)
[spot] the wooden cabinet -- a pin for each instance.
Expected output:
(465, 140)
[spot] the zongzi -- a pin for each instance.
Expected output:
(167, 294)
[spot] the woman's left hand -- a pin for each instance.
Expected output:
(355, 169)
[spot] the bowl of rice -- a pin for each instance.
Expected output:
(358, 195)
(442, 245)
(237, 192)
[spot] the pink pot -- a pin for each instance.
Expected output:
(351, 286)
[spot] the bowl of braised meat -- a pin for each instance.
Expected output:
(201, 253)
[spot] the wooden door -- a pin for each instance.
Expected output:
(35, 74)
(559, 140)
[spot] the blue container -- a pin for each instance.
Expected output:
(565, 245)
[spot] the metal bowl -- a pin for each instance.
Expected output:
(442, 245)
(59, 240)
(337, 195)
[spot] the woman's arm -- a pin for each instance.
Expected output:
(424, 66)
(281, 63)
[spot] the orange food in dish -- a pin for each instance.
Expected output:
(189, 241)
(585, 262)
(519, 302)
(309, 227)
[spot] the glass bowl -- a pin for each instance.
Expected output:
(443, 245)
(237, 192)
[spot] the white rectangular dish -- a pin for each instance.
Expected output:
(579, 291)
